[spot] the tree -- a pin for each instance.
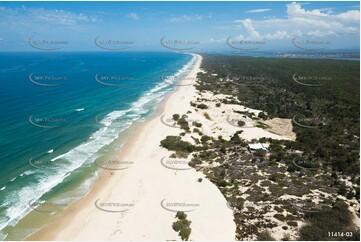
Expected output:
(175, 117)
(241, 123)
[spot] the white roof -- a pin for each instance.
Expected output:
(258, 146)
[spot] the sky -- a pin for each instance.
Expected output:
(165, 26)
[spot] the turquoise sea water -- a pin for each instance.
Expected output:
(62, 111)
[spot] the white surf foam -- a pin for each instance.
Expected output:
(18, 201)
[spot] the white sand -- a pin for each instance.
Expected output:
(220, 126)
(148, 182)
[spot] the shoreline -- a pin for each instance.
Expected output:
(156, 188)
(84, 221)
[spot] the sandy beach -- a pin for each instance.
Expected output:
(180, 121)
(139, 203)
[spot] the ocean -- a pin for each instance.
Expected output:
(61, 113)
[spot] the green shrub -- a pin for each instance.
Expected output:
(260, 153)
(176, 144)
(182, 226)
(195, 130)
(202, 106)
(337, 218)
(205, 138)
(206, 115)
(175, 117)
(181, 215)
(241, 123)
(342, 189)
(195, 161)
(279, 216)
(181, 154)
(183, 123)
(198, 125)
(184, 233)
(276, 177)
(262, 115)
(292, 223)
(223, 183)
(265, 236)
(235, 139)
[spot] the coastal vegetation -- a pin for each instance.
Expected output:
(328, 112)
(300, 184)
(176, 144)
(182, 226)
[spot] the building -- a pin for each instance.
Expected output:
(258, 146)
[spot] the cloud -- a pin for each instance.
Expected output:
(276, 36)
(27, 16)
(318, 33)
(133, 16)
(310, 22)
(296, 9)
(214, 40)
(350, 16)
(327, 10)
(59, 16)
(185, 18)
(253, 34)
(261, 10)
(248, 26)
